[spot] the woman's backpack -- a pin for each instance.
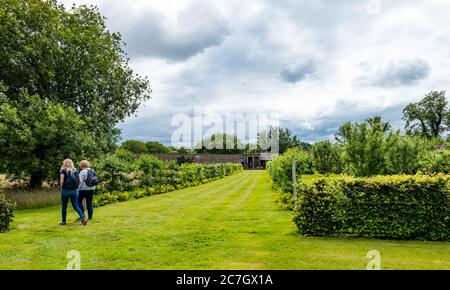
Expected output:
(72, 180)
(91, 179)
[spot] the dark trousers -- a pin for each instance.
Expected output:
(72, 195)
(89, 196)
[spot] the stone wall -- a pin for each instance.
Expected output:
(249, 161)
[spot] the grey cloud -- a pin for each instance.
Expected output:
(151, 34)
(326, 126)
(248, 54)
(403, 72)
(155, 127)
(298, 71)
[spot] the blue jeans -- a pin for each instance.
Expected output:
(89, 196)
(71, 194)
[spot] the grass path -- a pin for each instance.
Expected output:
(232, 223)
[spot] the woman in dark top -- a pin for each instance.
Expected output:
(69, 180)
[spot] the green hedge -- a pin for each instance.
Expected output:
(392, 207)
(6, 213)
(280, 169)
(286, 200)
(156, 177)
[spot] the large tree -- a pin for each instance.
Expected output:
(429, 117)
(70, 58)
(37, 134)
(286, 139)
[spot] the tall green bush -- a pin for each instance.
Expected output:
(327, 157)
(364, 146)
(115, 174)
(403, 154)
(6, 212)
(280, 169)
(435, 161)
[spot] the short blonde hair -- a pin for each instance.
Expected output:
(68, 164)
(84, 164)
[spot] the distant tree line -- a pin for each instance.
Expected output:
(371, 147)
(219, 144)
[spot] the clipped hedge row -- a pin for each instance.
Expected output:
(156, 177)
(6, 213)
(391, 207)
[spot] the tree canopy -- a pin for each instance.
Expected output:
(364, 145)
(70, 58)
(286, 139)
(429, 117)
(140, 147)
(37, 134)
(66, 83)
(220, 144)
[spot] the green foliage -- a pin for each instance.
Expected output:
(70, 58)
(156, 147)
(125, 155)
(6, 212)
(428, 118)
(280, 169)
(435, 161)
(391, 207)
(327, 157)
(37, 134)
(403, 154)
(286, 139)
(139, 147)
(134, 146)
(114, 174)
(220, 144)
(151, 169)
(371, 148)
(150, 164)
(364, 146)
(315, 213)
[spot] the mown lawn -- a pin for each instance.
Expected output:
(233, 223)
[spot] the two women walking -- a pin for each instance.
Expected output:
(76, 187)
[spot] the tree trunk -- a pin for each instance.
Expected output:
(36, 180)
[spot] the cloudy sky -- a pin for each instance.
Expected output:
(315, 63)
